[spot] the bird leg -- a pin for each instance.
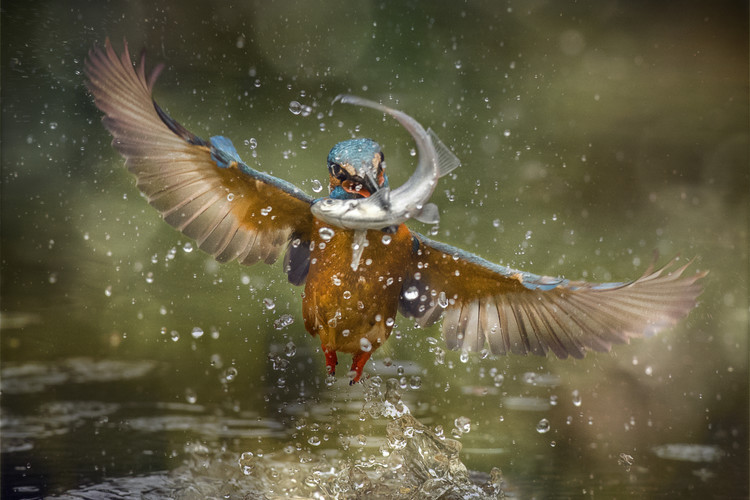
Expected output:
(359, 360)
(331, 360)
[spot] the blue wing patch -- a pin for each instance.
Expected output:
(223, 152)
(528, 280)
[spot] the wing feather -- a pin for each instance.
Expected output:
(517, 312)
(201, 187)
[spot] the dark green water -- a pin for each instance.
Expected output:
(591, 134)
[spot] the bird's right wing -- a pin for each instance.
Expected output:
(200, 187)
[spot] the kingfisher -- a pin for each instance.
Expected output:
(238, 213)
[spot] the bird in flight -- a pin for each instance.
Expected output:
(235, 212)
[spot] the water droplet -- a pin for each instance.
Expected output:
(269, 303)
(230, 196)
(149, 277)
(108, 291)
(442, 300)
(53, 125)
(174, 335)
(191, 396)
(365, 345)
(230, 374)
(216, 361)
(326, 233)
(576, 398)
(197, 332)
(247, 463)
(347, 295)
(527, 236)
(314, 440)
(290, 349)
(187, 247)
(625, 460)
(283, 321)
(496, 223)
(464, 357)
(498, 379)
(265, 211)
(542, 427)
(415, 382)
(295, 107)
(439, 356)
(411, 293)
(386, 239)
(317, 187)
(463, 424)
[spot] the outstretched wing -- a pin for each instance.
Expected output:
(200, 187)
(518, 312)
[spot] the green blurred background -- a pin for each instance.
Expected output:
(591, 134)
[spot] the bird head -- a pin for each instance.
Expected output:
(356, 169)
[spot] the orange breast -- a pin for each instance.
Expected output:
(343, 305)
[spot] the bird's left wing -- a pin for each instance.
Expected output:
(200, 187)
(518, 312)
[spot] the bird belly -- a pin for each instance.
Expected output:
(354, 310)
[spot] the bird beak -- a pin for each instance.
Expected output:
(363, 186)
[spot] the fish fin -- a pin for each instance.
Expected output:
(447, 161)
(429, 214)
(383, 197)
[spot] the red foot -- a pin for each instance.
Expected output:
(331, 360)
(359, 361)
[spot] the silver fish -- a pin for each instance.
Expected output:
(387, 207)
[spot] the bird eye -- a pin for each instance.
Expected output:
(338, 172)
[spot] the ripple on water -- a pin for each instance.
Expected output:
(30, 378)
